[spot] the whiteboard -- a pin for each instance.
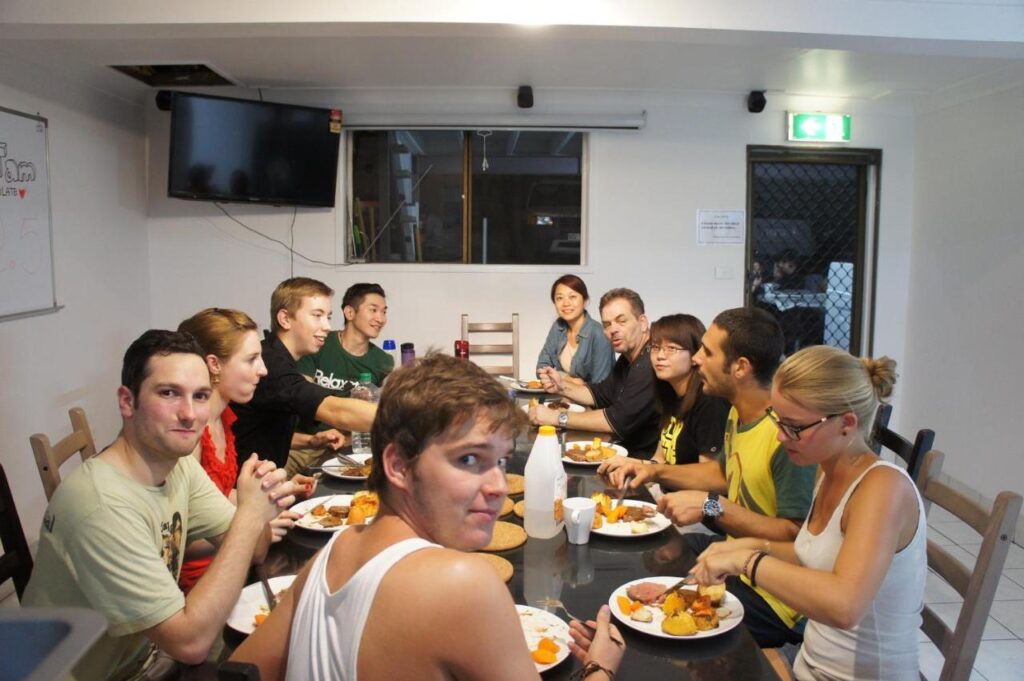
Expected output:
(26, 237)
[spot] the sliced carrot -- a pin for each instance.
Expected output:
(548, 644)
(541, 656)
(260, 618)
(625, 604)
(635, 605)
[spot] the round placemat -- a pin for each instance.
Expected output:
(506, 507)
(516, 483)
(502, 566)
(520, 509)
(506, 536)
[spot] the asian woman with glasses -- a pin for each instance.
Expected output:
(692, 423)
(857, 568)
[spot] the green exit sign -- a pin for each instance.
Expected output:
(818, 127)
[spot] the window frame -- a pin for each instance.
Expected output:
(345, 216)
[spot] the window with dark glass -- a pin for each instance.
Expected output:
(466, 196)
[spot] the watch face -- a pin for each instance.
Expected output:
(712, 508)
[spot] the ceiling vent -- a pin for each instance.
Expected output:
(173, 75)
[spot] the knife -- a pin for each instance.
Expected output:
(268, 593)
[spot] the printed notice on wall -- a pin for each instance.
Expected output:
(721, 227)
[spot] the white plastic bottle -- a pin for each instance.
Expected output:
(392, 349)
(546, 483)
(364, 390)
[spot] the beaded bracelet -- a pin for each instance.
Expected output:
(588, 669)
(753, 568)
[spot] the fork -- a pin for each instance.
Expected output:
(555, 603)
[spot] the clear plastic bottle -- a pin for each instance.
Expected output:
(546, 483)
(364, 390)
(392, 349)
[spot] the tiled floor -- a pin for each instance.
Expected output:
(1001, 655)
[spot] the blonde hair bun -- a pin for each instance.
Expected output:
(882, 372)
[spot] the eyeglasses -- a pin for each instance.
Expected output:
(793, 432)
(669, 349)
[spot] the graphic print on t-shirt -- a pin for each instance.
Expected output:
(170, 535)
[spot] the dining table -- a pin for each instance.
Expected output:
(582, 577)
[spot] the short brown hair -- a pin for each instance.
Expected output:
(289, 294)
(755, 334)
(629, 295)
(220, 331)
(437, 397)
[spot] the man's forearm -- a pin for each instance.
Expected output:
(345, 413)
(739, 521)
(594, 420)
(705, 476)
(189, 634)
(578, 393)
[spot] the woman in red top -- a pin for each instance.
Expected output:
(231, 340)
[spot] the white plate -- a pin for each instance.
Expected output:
(539, 623)
(625, 529)
(336, 472)
(573, 408)
(252, 602)
(654, 626)
(619, 451)
(520, 386)
(307, 522)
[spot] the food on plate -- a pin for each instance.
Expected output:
(680, 624)
(686, 606)
(534, 384)
(714, 592)
(546, 651)
(593, 452)
(362, 471)
(557, 404)
(645, 593)
(642, 614)
(622, 513)
(264, 612)
(364, 506)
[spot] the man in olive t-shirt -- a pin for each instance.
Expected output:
(113, 534)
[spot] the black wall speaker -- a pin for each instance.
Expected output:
(163, 100)
(756, 101)
(525, 97)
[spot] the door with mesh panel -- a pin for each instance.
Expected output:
(808, 241)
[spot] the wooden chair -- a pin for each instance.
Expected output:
(911, 452)
(882, 417)
(49, 458)
(16, 561)
(510, 349)
(959, 646)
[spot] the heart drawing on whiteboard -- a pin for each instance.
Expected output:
(21, 193)
(25, 254)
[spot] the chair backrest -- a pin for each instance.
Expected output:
(238, 671)
(49, 458)
(911, 452)
(510, 349)
(959, 646)
(16, 561)
(882, 416)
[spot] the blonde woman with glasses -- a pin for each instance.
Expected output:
(857, 568)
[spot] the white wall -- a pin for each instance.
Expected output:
(72, 358)
(644, 191)
(963, 373)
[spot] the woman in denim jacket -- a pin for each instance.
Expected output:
(576, 344)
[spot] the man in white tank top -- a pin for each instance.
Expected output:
(401, 598)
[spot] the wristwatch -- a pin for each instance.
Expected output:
(563, 419)
(712, 508)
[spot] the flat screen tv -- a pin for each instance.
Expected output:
(225, 149)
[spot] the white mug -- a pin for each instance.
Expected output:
(579, 518)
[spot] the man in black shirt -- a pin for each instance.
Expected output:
(300, 311)
(624, 401)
